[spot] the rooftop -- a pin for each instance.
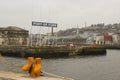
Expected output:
(12, 28)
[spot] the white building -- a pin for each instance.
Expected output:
(13, 36)
(116, 39)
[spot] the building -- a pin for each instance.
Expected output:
(103, 40)
(75, 40)
(108, 39)
(13, 36)
(38, 39)
(116, 38)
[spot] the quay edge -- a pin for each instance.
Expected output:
(19, 76)
(26, 51)
(50, 52)
(88, 50)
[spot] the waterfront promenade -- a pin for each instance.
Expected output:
(19, 76)
(98, 67)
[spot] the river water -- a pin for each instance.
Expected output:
(105, 67)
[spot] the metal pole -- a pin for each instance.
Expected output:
(37, 39)
(30, 40)
(48, 37)
(56, 37)
(40, 36)
(52, 35)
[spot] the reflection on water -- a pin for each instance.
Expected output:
(105, 67)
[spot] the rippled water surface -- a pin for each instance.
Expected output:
(105, 67)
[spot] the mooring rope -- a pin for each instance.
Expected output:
(16, 71)
(54, 75)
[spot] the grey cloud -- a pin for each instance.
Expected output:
(67, 13)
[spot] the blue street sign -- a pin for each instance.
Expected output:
(44, 24)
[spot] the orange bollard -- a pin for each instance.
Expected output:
(27, 66)
(33, 66)
(35, 72)
(37, 69)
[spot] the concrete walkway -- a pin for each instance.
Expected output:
(20, 76)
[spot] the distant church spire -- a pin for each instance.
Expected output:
(85, 24)
(77, 32)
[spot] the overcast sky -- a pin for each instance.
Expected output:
(67, 13)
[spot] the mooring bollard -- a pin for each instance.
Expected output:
(36, 68)
(33, 67)
(27, 66)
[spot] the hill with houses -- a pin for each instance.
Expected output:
(94, 28)
(95, 33)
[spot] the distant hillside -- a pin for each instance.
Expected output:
(94, 28)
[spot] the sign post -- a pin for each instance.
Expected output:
(45, 24)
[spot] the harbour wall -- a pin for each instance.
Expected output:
(50, 52)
